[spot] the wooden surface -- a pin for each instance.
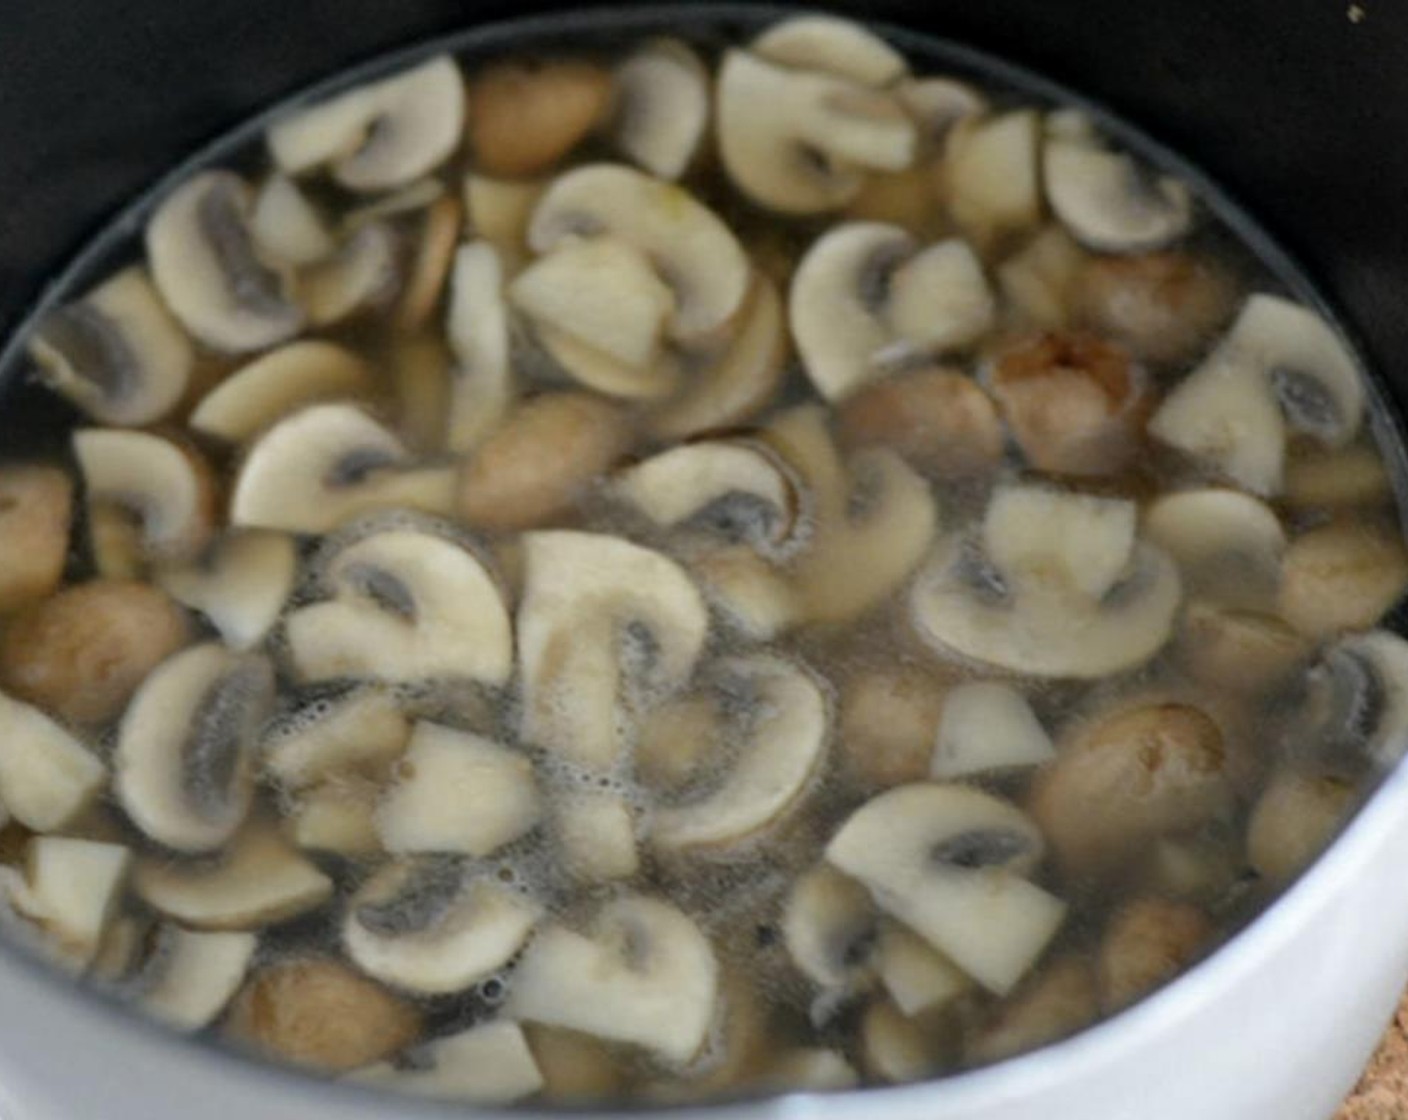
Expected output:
(1382, 1093)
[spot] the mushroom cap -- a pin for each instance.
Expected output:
(831, 45)
(662, 107)
(1228, 544)
(47, 776)
(1359, 694)
(240, 584)
(359, 731)
(488, 1064)
(985, 727)
(477, 326)
(36, 527)
(192, 976)
(829, 925)
(1108, 201)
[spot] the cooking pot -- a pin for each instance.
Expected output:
(1300, 111)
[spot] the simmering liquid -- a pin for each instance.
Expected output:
(703, 568)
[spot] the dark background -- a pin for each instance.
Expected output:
(1298, 108)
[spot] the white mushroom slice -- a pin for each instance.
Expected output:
(949, 862)
(938, 104)
(645, 975)
(1359, 697)
(865, 293)
(1293, 821)
(893, 1048)
(240, 584)
(193, 976)
(1227, 544)
(600, 619)
(117, 353)
(257, 395)
(831, 46)
(47, 777)
(801, 142)
(477, 326)
(755, 596)
(327, 464)
(338, 816)
(409, 605)
(363, 730)
(184, 757)
(207, 267)
(287, 226)
(1031, 532)
(165, 486)
(435, 927)
(829, 926)
(362, 275)
(691, 248)
(784, 737)
(457, 792)
(1039, 280)
(378, 136)
(69, 889)
(988, 727)
(260, 881)
(662, 107)
(917, 978)
(993, 173)
(598, 835)
(499, 211)
(488, 1064)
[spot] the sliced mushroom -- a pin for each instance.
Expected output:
(114, 540)
(889, 721)
(488, 1064)
(240, 584)
(457, 792)
(917, 979)
(327, 464)
(70, 889)
(524, 117)
(830, 928)
(1163, 306)
(481, 388)
(437, 240)
(600, 619)
(1228, 545)
(363, 275)
(409, 605)
(690, 247)
(832, 46)
(645, 975)
(988, 727)
(191, 976)
(378, 136)
(208, 269)
(894, 1048)
(1357, 699)
(911, 199)
(287, 226)
(499, 211)
(36, 514)
(939, 419)
(810, 1069)
(1342, 576)
(1293, 822)
(1042, 281)
(166, 486)
(1058, 1002)
(1148, 941)
(362, 731)
(259, 881)
(1353, 477)
(422, 372)
(117, 353)
(662, 107)
(184, 758)
(993, 174)
(950, 862)
(754, 596)
(576, 1068)
(1249, 651)
(338, 816)
(434, 926)
(866, 293)
(938, 104)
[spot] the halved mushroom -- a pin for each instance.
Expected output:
(601, 622)
(457, 792)
(327, 464)
(662, 107)
(1357, 700)
(69, 889)
(693, 251)
(1057, 1003)
(988, 727)
(645, 974)
(117, 353)
(408, 605)
(240, 583)
(889, 721)
(1147, 942)
(1084, 599)
(866, 294)
(597, 834)
(192, 976)
(1041, 280)
(1293, 822)
(337, 816)
(830, 927)
(257, 395)
(801, 141)
(208, 269)
(36, 514)
(184, 758)
(993, 176)
(1342, 576)
(377, 136)
(1163, 306)
(488, 1064)
(287, 226)
(1228, 545)
(435, 926)
(362, 731)
(918, 979)
(526, 116)
(363, 275)
(260, 881)
(1280, 364)
(832, 46)
(477, 327)
(1248, 651)
(166, 486)
(950, 863)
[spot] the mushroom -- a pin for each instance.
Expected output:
(992, 174)
(408, 605)
(1057, 1003)
(1293, 821)
(1128, 778)
(434, 926)
(1342, 576)
(489, 1064)
(361, 731)
(82, 653)
(287, 226)
(693, 251)
(662, 107)
(533, 468)
(338, 816)
(167, 487)
(810, 1069)
(950, 863)
(36, 512)
(830, 928)
(674, 740)
(831, 45)
(240, 584)
(477, 326)
(800, 141)
(1054, 585)
(436, 244)
(938, 104)
(1147, 942)
(780, 720)
(259, 881)
(1041, 282)
(889, 721)
(499, 211)
(576, 1068)
(114, 540)
(601, 621)
(47, 777)
(457, 792)
(69, 889)
(362, 275)
(597, 834)
(117, 353)
(1352, 477)
(917, 979)
(753, 595)
(184, 758)
(987, 727)
(1249, 651)
(524, 117)
(208, 269)
(911, 199)
(1162, 306)
(326, 464)
(1228, 545)
(377, 136)
(415, 198)
(1357, 699)
(191, 976)
(866, 294)
(1280, 364)
(318, 1013)
(256, 396)
(894, 1048)
(645, 974)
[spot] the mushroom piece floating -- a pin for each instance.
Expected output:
(524, 117)
(987, 727)
(644, 974)
(360, 731)
(240, 583)
(951, 862)
(1246, 650)
(36, 517)
(889, 723)
(1229, 546)
(596, 832)
(894, 1048)
(1147, 942)
(830, 927)
(47, 776)
(69, 889)
(287, 225)
(662, 107)
(918, 979)
(477, 326)
(832, 46)
(190, 977)
(488, 1064)
(1280, 365)
(1357, 699)
(993, 175)
(1041, 281)
(1342, 576)
(1058, 1002)
(1293, 820)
